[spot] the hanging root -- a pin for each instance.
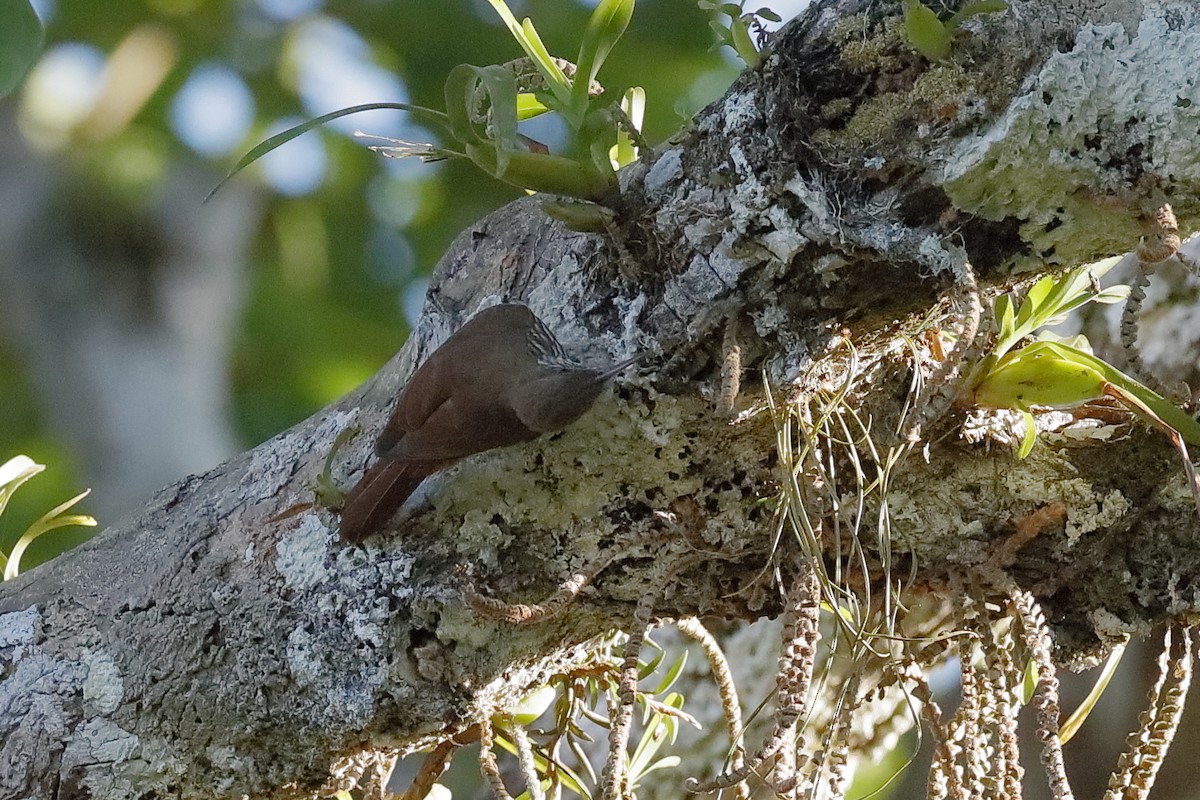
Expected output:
(944, 384)
(621, 714)
(1161, 246)
(944, 779)
(836, 752)
(533, 782)
(967, 729)
(730, 705)
(1036, 636)
(1148, 745)
(1000, 715)
(487, 762)
(797, 660)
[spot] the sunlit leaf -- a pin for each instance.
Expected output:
(280, 139)
(606, 25)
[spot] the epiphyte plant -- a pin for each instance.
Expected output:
(1057, 373)
(484, 106)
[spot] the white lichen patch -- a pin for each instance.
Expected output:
(225, 759)
(103, 687)
(478, 529)
(301, 556)
(739, 111)
(100, 741)
(1111, 628)
(1112, 108)
(18, 629)
(1087, 510)
(305, 666)
(945, 521)
(1087, 517)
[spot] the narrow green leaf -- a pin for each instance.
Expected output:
(606, 25)
(556, 80)
(1029, 685)
(743, 43)
(1069, 728)
(511, 23)
(1029, 436)
(1035, 301)
(280, 139)
(672, 675)
(529, 105)
(646, 668)
(21, 37)
(540, 172)
(1004, 317)
(49, 521)
(633, 104)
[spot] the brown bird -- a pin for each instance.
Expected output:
(501, 379)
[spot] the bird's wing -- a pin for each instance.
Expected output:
(453, 432)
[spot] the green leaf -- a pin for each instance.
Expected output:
(529, 105)
(540, 172)
(646, 668)
(498, 123)
(1040, 375)
(556, 80)
(672, 675)
(1055, 375)
(744, 43)
(1069, 728)
(1029, 685)
(1004, 317)
(534, 704)
(1029, 437)
(606, 25)
(280, 139)
(21, 38)
(925, 32)
(633, 104)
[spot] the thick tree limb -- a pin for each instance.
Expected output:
(216, 645)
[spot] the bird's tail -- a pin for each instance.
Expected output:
(375, 498)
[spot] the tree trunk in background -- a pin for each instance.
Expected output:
(124, 309)
(222, 642)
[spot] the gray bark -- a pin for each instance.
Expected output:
(217, 643)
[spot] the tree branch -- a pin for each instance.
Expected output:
(217, 644)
